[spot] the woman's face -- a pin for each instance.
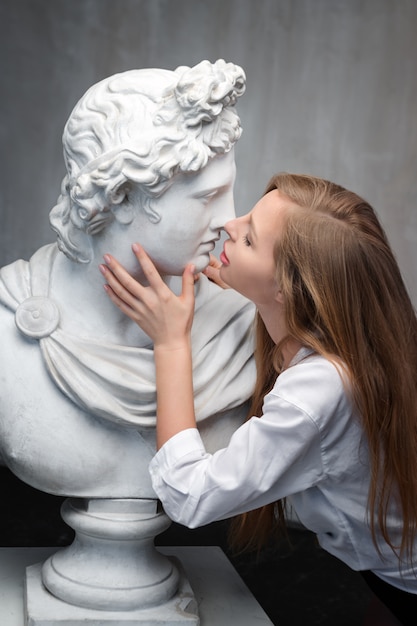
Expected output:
(248, 264)
(192, 214)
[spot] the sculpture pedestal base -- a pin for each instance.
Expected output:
(222, 596)
(112, 564)
(44, 609)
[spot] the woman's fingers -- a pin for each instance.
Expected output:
(119, 302)
(212, 272)
(118, 294)
(214, 262)
(120, 281)
(117, 275)
(163, 316)
(188, 282)
(151, 273)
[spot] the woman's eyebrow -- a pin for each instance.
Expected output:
(253, 229)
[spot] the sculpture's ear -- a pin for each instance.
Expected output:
(122, 204)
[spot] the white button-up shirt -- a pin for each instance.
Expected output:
(308, 446)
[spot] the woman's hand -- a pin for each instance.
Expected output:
(212, 272)
(165, 317)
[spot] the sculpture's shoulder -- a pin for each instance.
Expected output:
(20, 358)
(14, 283)
(16, 287)
(22, 279)
(43, 434)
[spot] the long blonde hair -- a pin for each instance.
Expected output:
(345, 298)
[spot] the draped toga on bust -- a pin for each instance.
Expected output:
(117, 382)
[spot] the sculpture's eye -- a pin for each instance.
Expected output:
(206, 198)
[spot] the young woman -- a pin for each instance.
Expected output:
(333, 426)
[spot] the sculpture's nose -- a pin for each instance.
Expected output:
(222, 212)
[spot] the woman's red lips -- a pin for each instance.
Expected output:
(223, 258)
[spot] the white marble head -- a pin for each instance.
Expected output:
(131, 135)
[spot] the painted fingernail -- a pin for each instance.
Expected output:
(107, 258)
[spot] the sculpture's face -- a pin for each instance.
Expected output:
(192, 213)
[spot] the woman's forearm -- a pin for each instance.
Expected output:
(175, 396)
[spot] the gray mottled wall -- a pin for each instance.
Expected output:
(331, 90)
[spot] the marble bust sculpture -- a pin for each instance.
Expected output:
(149, 156)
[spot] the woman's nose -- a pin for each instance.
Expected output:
(230, 227)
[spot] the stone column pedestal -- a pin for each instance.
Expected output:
(112, 564)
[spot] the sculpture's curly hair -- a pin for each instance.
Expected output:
(141, 127)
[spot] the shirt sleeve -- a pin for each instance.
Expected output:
(268, 458)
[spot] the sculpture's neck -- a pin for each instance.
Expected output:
(85, 307)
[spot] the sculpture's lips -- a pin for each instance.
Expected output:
(207, 247)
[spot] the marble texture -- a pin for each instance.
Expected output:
(149, 157)
(222, 596)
